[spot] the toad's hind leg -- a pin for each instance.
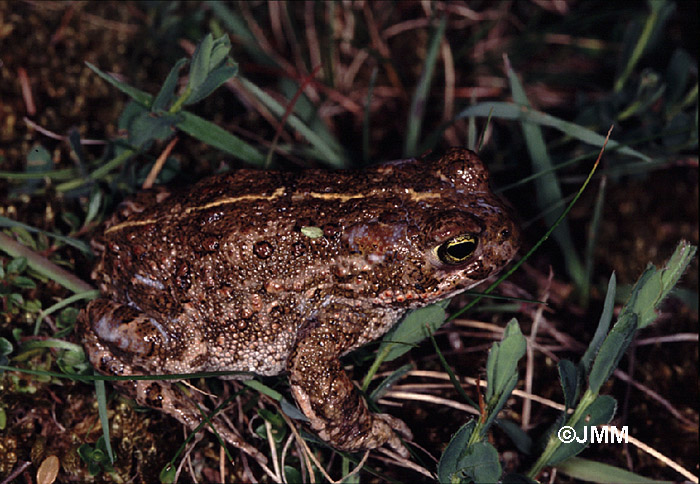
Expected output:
(122, 341)
(327, 396)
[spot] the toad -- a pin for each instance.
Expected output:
(269, 272)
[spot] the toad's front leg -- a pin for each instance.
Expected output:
(326, 395)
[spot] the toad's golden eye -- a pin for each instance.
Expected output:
(458, 249)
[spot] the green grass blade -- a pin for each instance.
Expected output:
(420, 96)
(78, 244)
(62, 304)
(591, 240)
(328, 148)
(504, 110)
(591, 471)
(137, 95)
(386, 384)
(43, 266)
(660, 11)
(218, 137)
(547, 186)
(54, 175)
(264, 389)
(104, 419)
(453, 378)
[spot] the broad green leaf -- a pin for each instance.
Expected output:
(292, 474)
(215, 79)
(611, 351)
(23, 282)
(5, 346)
(502, 363)
(600, 412)
(568, 376)
(480, 464)
(516, 434)
(17, 265)
(199, 67)
(38, 159)
(219, 52)
(168, 473)
(412, 330)
(603, 325)
(131, 111)
(649, 295)
(167, 90)
(292, 411)
(676, 266)
(388, 382)
(447, 465)
(148, 127)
